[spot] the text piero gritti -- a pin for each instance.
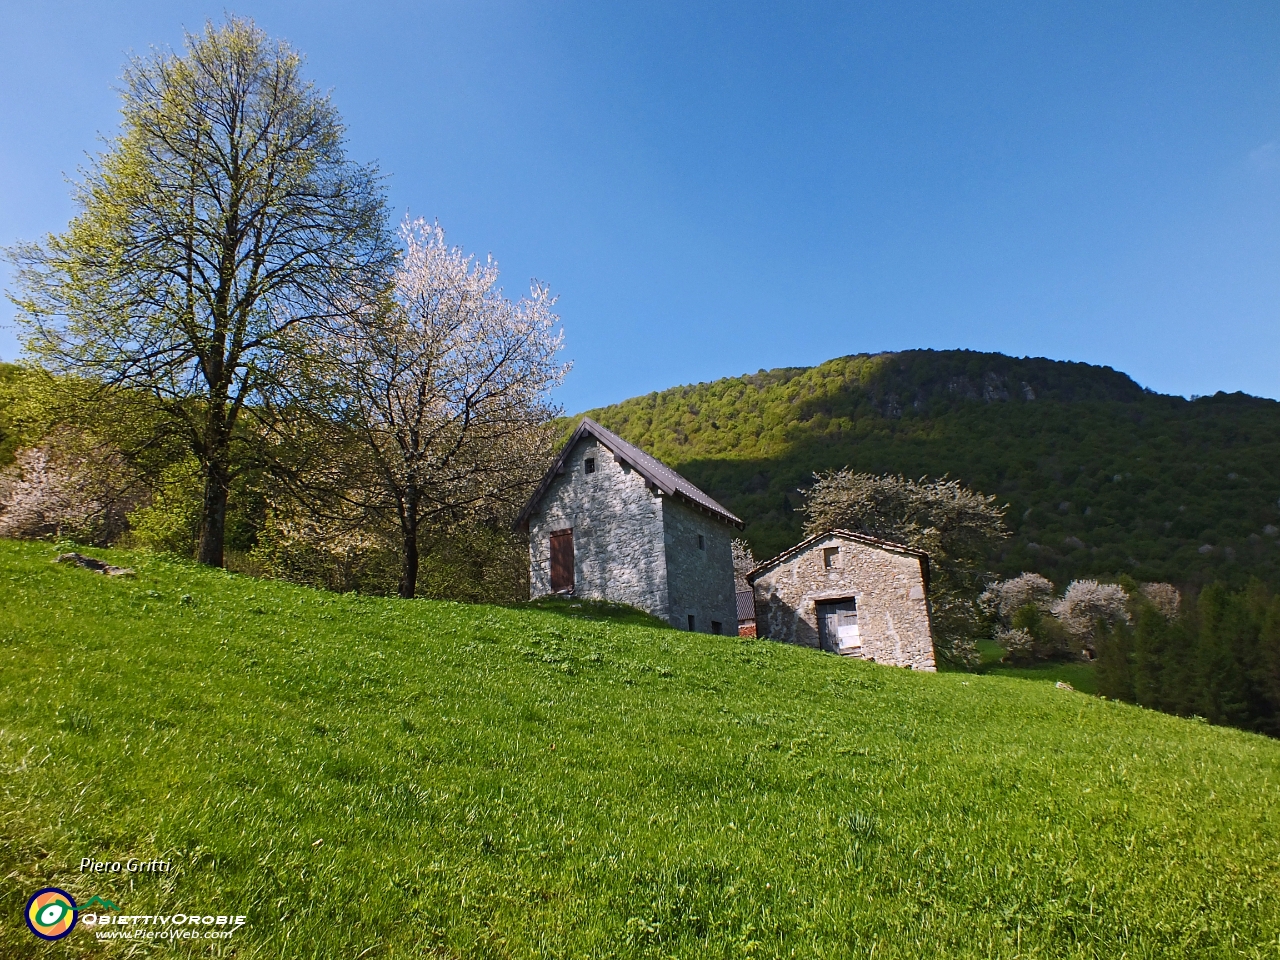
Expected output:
(132, 865)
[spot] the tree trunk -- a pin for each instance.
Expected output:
(213, 521)
(409, 528)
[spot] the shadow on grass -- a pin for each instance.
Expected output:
(586, 609)
(1082, 676)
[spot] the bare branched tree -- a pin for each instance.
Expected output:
(447, 389)
(214, 233)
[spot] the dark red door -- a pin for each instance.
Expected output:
(561, 560)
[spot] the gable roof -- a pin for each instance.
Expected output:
(863, 538)
(655, 472)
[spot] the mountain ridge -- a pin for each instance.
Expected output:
(1102, 476)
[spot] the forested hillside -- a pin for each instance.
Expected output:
(1101, 476)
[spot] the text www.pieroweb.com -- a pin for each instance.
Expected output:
(171, 927)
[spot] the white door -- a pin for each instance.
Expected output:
(838, 627)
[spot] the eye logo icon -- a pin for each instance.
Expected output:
(51, 913)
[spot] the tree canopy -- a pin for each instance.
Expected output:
(215, 235)
(1100, 475)
(956, 526)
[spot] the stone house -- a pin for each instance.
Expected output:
(851, 594)
(610, 522)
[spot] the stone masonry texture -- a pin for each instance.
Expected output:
(633, 545)
(617, 523)
(699, 579)
(888, 587)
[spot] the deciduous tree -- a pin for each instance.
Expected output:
(1020, 607)
(214, 234)
(744, 561)
(446, 390)
(956, 526)
(1164, 597)
(1087, 606)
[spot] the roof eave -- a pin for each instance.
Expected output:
(601, 435)
(726, 517)
(555, 470)
(862, 538)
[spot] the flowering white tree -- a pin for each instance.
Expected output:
(1087, 603)
(1032, 624)
(1006, 597)
(1024, 627)
(68, 487)
(1164, 597)
(447, 388)
(744, 562)
(38, 498)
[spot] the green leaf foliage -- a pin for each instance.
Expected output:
(1220, 659)
(9, 438)
(170, 521)
(216, 236)
(956, 527)
(1100, 476)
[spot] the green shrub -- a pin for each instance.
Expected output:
(170, 521)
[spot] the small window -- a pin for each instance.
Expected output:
(715, 627)
(702, 542)
(830, 556)
(691, 627)
(590, 464)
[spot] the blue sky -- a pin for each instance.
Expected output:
(718, 188)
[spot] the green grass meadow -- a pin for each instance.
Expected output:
(1082, 676)
(368, 778)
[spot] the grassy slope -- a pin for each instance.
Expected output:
(375, 778)
(1081, 676)
(1100, 476)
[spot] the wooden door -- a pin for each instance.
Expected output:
(827, 626)
(848, 637)
(838, 627)
(561, 560)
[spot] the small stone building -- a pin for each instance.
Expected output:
(849, 594)
(610, 522)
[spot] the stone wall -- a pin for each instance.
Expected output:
(700, 580)
(888, 587)
(617, 532)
